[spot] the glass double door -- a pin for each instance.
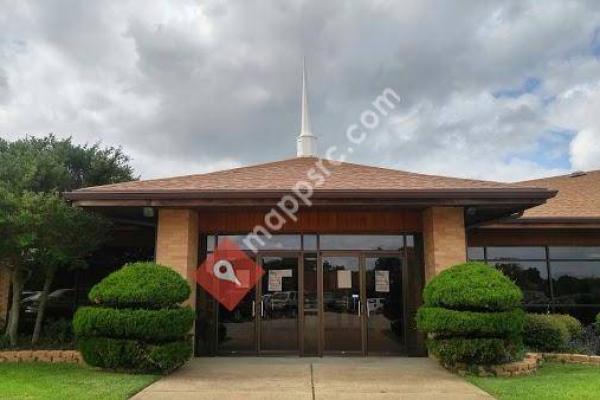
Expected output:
(363, 304)
(337, 303)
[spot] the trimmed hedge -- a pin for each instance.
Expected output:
(448, 323)
(475, 351)
(472, 286)
(147, 283)
(133, 355)
(571, 323)
(137, 324)
(545, 333)
(157, 325)
(472, 315)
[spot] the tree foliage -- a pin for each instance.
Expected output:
(49, 164)
(39, 232)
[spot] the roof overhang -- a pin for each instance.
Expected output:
(158, 198)
(481, 205)
(546, 223)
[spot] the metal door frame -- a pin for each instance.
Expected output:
(403, 270)
(362, 294)
(300, 298)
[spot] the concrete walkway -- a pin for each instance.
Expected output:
(311, 379)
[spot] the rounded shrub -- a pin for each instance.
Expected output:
(488, 289)
(471, 314)
(545, 333)
(571, 323)
(146, 283)
(134, 355)
(162, 324)
(449, 323)
(137, 323)
(479, 351)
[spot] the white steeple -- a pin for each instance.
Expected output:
(306, 142)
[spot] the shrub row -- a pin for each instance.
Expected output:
(133, 355)
(550, 332)
(156, 325)
(479, 351)
(472, 286)
(448, 323)
(141, 283)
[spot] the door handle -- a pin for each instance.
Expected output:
(359, 308)
(262, 308)
(253, 308)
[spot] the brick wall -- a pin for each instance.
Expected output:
(177, 243)
(444, 239)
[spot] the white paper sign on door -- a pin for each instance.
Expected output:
(344, 279)
(275, 281)
(382, 281)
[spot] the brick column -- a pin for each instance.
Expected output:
(177, 244)
(444, 239)
(4, 293)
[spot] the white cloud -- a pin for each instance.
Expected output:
(187, 86)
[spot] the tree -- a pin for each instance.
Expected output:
(40, 232)
(20, 220)
(49, 165)
(67, 235)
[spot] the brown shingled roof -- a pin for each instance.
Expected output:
(578, 196)
(282, 175)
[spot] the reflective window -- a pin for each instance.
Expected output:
(531, 277)
(576, 282)
(574, 253)
(362, 242)
(311, 306)
(475, 253)
(585, 314)
(310, 242)
(210, 243)
(276, 242)
(513, 252)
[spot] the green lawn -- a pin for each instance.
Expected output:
(67, 381)
(552, 382)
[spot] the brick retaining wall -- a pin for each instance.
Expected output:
(572, 358)
(51, 356)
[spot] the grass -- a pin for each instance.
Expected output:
(553, 381)
(30, 381)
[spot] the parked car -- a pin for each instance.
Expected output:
(374, 304)
(284, 300)
(60, 304)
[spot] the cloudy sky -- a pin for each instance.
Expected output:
(503, 90)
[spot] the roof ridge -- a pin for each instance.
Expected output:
(593, 171)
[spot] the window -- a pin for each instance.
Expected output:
(275, 242)
(564, 279)
(362, 242)
(531, 277)
(576, 282)
(574, 253)
(475, 253)
(516, 253)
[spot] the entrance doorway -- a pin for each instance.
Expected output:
(316, 302)
(277, 309)
(363, 304)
